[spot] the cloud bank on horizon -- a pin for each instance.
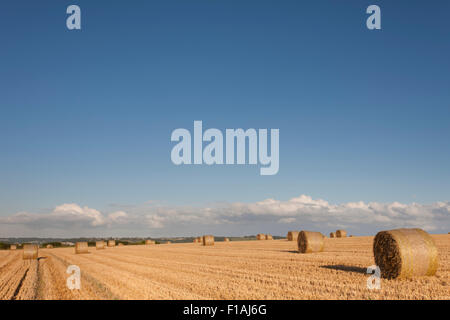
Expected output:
(301, 212)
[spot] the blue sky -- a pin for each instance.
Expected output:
(86, 116)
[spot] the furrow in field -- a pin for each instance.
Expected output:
(121, 284)
(91, 288)
(11, 279)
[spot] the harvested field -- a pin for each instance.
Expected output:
(234, 270)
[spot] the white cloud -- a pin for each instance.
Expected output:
(302, 211)
(120, 217)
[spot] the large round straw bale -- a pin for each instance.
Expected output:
(261, 236)
(226, 239)
(149, 242)
(208, 240)
(310, 241)
(49, 246)
(81, 247)
(405, 253)
(332, 235)
(100, 245)
(269, 237)
(341, 233)
(292, 235)
(13, 247)
(111, 243)
(30, 251)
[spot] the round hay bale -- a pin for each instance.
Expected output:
(208, 240)
(13, 247)
(49, 246)
(292, 235)
(121, 244)
(81, 247)
(30, 251)
(332, 235)
(100, 245)
(149, 242)
(310, 241)
(405, 253)
(168, 242)
(269, 237)
(261, 236)
(226, 239)
(111, 243)
(341, 233)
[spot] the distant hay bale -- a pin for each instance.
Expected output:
(310, 241)
(292, 235)
(81, 247)
(341, 233)
(49, 246)
(111, 243)
(332, 235)
(269, 237)
(226, 239)
(149, 242)
(168, 242)
(405, 253)
(12, 247)
(208, 240)
(121, 244)
(100, 245)
(351, 236)
(261, 236)
(30, 251)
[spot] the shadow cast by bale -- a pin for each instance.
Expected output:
(289, 251)
(341, 267)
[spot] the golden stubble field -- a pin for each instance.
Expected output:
(270, 269)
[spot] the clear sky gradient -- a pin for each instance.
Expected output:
(86, 116)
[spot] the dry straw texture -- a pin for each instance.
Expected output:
(49, 246)
(30, 251)
(208, 240)
(261, 236)
(100, 245)
(111, 243)
(292, 235)
(405, 253)
(149, 242)
(81, 247)
(332, 235)
(269, 237)
(341, 233)
(13, 247)
(226, 239)
(310, 241)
